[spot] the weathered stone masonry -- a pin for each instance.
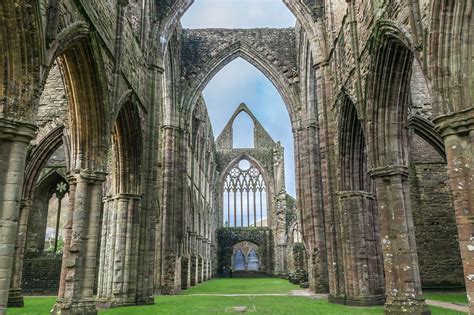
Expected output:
(373, 89)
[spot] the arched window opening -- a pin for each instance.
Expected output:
(245, 196)
(239, 260)
(243, 131)
(57, 202)
(252, 260)
(296, 234)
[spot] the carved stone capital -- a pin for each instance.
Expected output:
(88, 175)
(389, 171)
(12, 130)
(355, 193)
(455, 123)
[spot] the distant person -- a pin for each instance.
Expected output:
(230, 272)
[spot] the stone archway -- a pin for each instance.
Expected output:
(387, 120)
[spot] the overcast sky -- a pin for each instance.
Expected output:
(240, 82)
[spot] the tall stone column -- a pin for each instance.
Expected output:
(199, 259)
(310, 204)
(80, 245)
(364, 280)
(192, 259)
(172, 220)
(14, 139)
(15, 297)
(458, 133)
(402, 276)
(119, 251)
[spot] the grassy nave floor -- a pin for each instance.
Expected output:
(187, 303)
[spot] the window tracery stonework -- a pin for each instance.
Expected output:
(245, 196)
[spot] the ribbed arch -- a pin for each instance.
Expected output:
(389, 98)
(352, 150)
(128, 147)
(88, 108)
(252, 56)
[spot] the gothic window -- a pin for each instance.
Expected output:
(245, 196)
(243, 131)
(239, 260)
(297, 238)
(252, 260)
(53, 239)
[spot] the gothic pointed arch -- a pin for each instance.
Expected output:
(81, 67)
(245, 190)
(219, 60)
(388, 99)
(38, 157)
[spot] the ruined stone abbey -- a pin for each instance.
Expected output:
(114, 189)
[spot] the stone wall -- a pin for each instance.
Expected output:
(261, 236)
(41, 275)
(433, 216)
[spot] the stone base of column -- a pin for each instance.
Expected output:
(171, 275)
(185, 266)
(372, 300)
(403, 307)
(15, 298)
(75, 308)
(145, 300)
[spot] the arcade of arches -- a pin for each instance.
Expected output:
(113, 189)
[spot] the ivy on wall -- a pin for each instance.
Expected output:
(262, 236)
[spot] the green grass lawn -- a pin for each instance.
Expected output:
(453, 297)
(243, 286)
(186, 303)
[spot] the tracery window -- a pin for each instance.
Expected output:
(53, 237)
(245, 196)
(297, 238)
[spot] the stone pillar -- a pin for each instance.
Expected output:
(117, 285)
(79, 264)
(172, 223)
(310, 205)
(402, 276)
(363, 269)
(193, 273)
(457, 131)
(14, 139)
(208, 260)
(15, 297)
(194, 259)
(199, 258)
(185, 272)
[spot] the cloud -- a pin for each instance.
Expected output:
(238, 14)
(240, 82)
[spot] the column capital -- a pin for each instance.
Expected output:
(88, 175)
(24, 203)
(121, 196)
(13, 130)
(388, 171)
(355, 193)
(455, 123)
